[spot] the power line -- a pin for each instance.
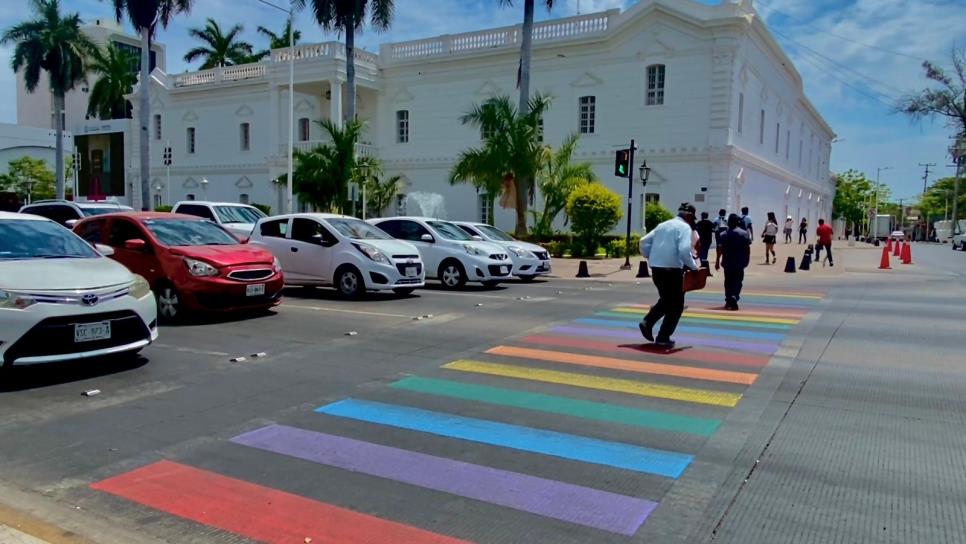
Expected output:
(846, 83)
(925, 175)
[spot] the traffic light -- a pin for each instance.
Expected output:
(622, 163)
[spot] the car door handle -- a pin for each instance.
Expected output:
(294, 249)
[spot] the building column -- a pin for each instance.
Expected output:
(274, 138)
(335, 101)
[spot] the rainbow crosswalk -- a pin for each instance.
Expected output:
(571, 388)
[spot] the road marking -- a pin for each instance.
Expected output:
(745, 378)
(253, 511)
(681, 338)
(688, 329)
(190, 350)
(708, 321)
(587, 381)
(18, 527)
(773, 294)
(558, 500)
(344, 311)
(578, 448)
(692, 354)
(699, 314)
(552, 404)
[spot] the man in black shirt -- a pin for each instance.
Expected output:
(705, 230)
(735, 246)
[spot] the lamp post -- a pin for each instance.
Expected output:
(157, 191)
(204, 187)
(291, 98)
(644, 172)
(363, 177)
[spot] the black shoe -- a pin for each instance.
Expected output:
(665, 344)
(647, 331)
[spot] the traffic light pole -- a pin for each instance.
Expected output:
(630, 204)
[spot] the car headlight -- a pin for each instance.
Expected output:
(200, 268)
(15, 301)
(519, 251)
(140, 288)
(472, 250)
(373, 253)
(277, 265)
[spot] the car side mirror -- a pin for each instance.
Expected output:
(477, 238)
(106, 251)
(70, 223)
(135, 245)
(427, 238)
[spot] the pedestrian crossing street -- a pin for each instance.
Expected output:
(603, 424)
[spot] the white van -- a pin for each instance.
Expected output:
(529, 260)
(451, 256)
(344, 252)
(236, 218)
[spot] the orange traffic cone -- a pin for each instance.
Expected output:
(890, 244)
(895, 249)
(907, 253)
(884, 263)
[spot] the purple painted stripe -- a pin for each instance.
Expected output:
(558, 500)
(756, 347)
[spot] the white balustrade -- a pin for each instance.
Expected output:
(220, 74)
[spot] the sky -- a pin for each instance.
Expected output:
(856, 58)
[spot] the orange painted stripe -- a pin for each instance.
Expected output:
(255, 512)
(631, 349)
(784, 314)
(642, 367)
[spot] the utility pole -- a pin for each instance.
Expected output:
(959, 154)
(925, 175)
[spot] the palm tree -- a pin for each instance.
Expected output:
(526, 46)
(222, 49)
(277, 41)
(556, 180)
(380, 191)
(116, 81)
(322, 175)
(483, 167)
(511, 150)
(54, 44)
(347, 16)
(145, 16)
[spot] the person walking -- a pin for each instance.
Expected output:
(789, 227)
(803, 231)
(746, 222)
(824, 235)
(769, 235)
(720, 226)
(705, 230)
(736, 247)
(668, 250)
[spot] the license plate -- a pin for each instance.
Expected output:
(88, 332)
(412, 271)
(254, 289)
(543, 267)
(504, 270)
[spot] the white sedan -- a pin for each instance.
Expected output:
(60, 299)
(529, 260)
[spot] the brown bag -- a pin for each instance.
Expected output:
(695, 280)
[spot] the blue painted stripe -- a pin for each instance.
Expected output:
(567, 446)
(688, 329)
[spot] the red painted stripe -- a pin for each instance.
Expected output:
(690, 354)
(253, 511)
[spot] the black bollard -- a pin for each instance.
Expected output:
(790, 265)
(642, 270)
(582, 271)
(806, 260)
(876, 242)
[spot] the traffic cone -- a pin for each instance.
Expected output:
(582, 271)
(806, 260)
(884, 263)
(907, 253)
(642, 270)
(895, 249)
(890, 244)
(790, 265)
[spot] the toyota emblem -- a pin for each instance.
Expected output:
(89, 299)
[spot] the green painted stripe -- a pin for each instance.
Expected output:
(699, 320)
(561, 405)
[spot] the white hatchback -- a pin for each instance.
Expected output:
(349, 254)
(529, 260)
(238, 219)
(451, 256)
(60, 299)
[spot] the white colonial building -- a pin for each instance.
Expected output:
(716, 108)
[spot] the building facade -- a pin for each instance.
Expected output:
(716, 109)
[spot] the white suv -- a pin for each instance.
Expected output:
(959, 241)
(60, 299)
(328, 249)
(238, 219)
(529, 260)
(451, 256)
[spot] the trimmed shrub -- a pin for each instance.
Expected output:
(593, 211)
(265, 208)
(163, 208)
(655, 214)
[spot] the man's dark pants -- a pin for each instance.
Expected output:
(733, 278)
(670, 305)
(818, 252)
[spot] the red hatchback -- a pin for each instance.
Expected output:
(191, 263)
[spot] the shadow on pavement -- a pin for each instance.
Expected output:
(20, 378)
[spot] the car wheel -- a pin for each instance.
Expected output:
(452, 275)
(404, 291)
(490, 284)
(349, 282)
(169, 303)
(527, 279)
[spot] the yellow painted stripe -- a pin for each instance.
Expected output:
(749, 319)
(770, 294)
(631, 387)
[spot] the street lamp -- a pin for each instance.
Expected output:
(157, 189)
(291, 97)
(204, 187)
(644, 172)
(363, 177)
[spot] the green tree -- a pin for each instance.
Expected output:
(276, 41)
(145, 16)
(852, 197)
(511, 151)
(51, 43)
(937, 201)
(593, 210)
(221, 49)
(381, 191)
(29, 176)
(557, 180)
(655, 214)
(322, 175)
(113, 66)
(347, 16)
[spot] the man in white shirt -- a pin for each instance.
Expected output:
(668, 249)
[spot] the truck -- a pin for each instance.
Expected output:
(882, 227)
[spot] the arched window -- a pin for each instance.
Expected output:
(655, 84)
(304, 129)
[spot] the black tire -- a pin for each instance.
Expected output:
(404, 291)
(349, 282)
(527, 279)
(490, 284)
(170, 307)
(452, 275)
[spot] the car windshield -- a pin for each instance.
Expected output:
(238, 214)
(26, 239)
(449, 230)
(358, 230)
(495, 233)
(88, 211)
(189, 232)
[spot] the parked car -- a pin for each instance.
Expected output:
(529, 260)
(898, 235)
(450, 255)
(192, 264)
(60, 299)
(344, 252)
(67, 212)
(238, 219)
(959, 241)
